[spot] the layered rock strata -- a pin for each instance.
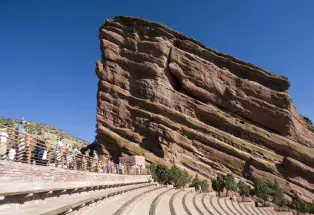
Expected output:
(171, 99)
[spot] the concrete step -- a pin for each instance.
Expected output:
(263, 211)
(207, 205)
(231, 207)
(163, 207)
(223, 206)
(143, 206)
(214, 201)
(57, 205)
(244, 208)
(251, 209)
(27, 198)
(258, 211)
(153, 206)
(238, 207)
(177, 202)
(198, 204)
(188, 204)
(128, 206)
(112, 206)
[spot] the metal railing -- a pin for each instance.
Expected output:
(22, 147)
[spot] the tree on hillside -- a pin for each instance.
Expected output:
(196, 181)
(230, 183)
(204, 186)
(152, 170)
(261, 190)
(163, 174)
(178, 177)
(218, 184)
(278, 194)
(299, 205)
(244, 189)
(311, 210)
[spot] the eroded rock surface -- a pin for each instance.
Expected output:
(169, 98)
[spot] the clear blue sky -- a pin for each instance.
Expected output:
(48, 49)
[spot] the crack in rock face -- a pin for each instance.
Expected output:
(167, 97)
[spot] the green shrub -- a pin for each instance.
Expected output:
(152, 171)
(299, 205)
(163, 174)
(261, 190)
(178, 178)
(204, 184)
(312, 208)
(196, 181)
(218, 184)
(244, 189)
(230, 183)
(278, 195)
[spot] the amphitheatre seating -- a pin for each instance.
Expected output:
(143, 198)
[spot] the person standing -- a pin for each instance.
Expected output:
(120, 168)
(21, 140)
(42, 148)
(69, 156)
(12, 153)
(199, 187)
(3, 143)
(59, 147)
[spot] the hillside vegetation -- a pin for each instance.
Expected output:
(52, 132)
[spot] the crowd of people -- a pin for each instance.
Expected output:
(124, 169)
(58, 155)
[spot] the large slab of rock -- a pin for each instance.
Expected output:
(169, 98)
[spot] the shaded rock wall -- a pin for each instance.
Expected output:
(169, 98)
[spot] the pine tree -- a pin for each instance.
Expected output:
(278, 194)
(163, 174)
(244, 189)
(178, 177)
(218, 184)
(299, 205)
(230, 183)
(261, 190)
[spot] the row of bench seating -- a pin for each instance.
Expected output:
(139, 198)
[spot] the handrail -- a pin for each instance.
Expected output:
(27, 148)
(23, 133)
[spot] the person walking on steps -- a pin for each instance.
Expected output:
(199, 188)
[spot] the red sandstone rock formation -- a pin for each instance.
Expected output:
(168, 97)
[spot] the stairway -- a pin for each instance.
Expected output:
(142, 198)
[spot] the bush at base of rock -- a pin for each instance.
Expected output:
(230, 183)
(164, 175)
(218, 184)
(244, 189)
(278, 195)
(204, 184)
(179, 178)
(301, 206)
(261, 190)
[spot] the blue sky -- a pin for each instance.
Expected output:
(48, 49)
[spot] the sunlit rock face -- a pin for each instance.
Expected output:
(169, 98)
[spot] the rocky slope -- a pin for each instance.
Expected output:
(52, 132)
(168, 97)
